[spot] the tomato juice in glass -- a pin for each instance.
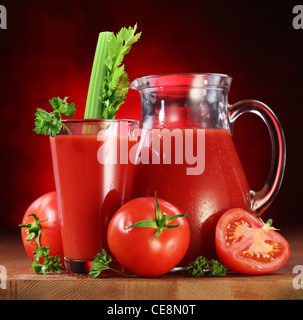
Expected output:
(91, 184)
(222, 185)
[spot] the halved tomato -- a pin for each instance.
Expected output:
(246, 244)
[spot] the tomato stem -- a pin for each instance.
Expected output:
(33, 230)
(161, 222)
(267, 224)
(120, 272)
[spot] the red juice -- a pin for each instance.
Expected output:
(89, 193)
(206, 196)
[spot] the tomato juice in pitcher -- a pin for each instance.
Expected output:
(192, 161)
(221, 186)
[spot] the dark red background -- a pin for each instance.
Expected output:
(48, 51)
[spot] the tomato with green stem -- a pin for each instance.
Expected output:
(245, 244)
(40, 226)
(146, 241)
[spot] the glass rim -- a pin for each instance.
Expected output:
(96, 121)
(210, 80)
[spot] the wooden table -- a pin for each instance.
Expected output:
(23, 284)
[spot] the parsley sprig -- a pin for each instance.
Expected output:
(49, 263)
(100, 263)
(202, 267)
(51, 123)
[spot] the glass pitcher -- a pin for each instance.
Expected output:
(190, 159)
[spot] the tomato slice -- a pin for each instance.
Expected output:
(247, 245)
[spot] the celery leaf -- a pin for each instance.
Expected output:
(116, 84)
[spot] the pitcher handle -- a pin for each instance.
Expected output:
(261, 199)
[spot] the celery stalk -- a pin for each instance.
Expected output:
(93, 108)
(109, 82)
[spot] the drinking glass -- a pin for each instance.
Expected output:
(93, 179)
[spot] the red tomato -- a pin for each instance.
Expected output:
(247, 245)
(137, 248)
(46, 210)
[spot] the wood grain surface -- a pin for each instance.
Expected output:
(23, 284)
